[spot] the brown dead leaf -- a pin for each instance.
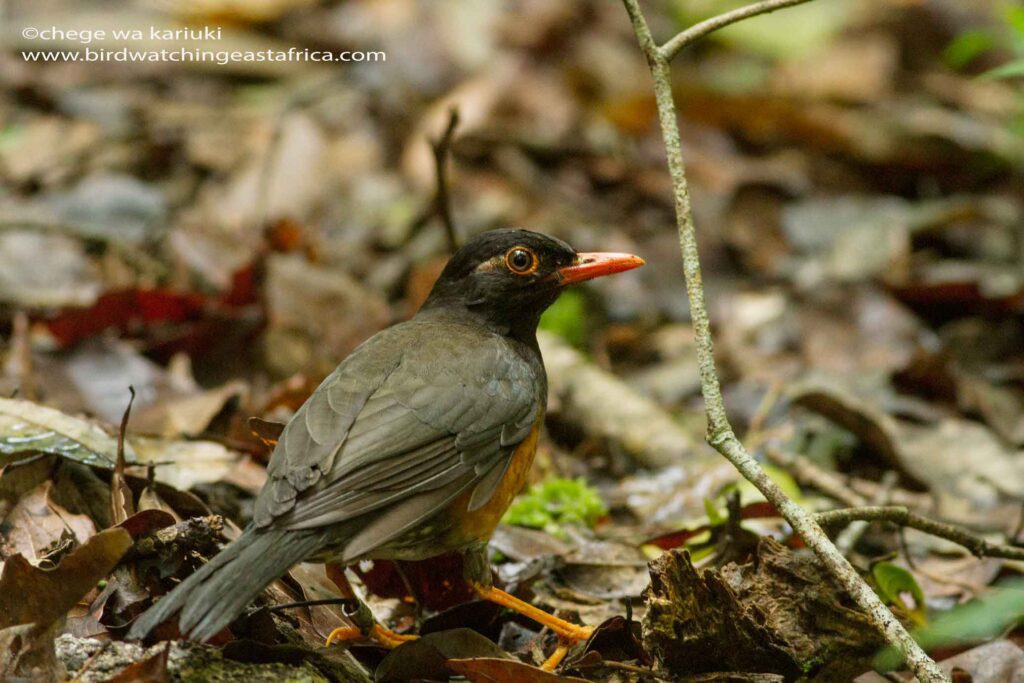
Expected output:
(184, 463)
(316, 314)
(957, 577)
(964, 461)
(616, 639)
(493, 670)
(524, 545)
(36, 525)
(27, 428)
(29, 595)
(18, 480)
(316, 586)
(187, 414)
(84, 620)
(41, 599)
(1001, 661)
(475, 100)
(858, 69)
(427, 657)
(247, 475)
(152, 669)
(149, 499)
(146, 521)
(1002, 407)
(959, 461)
(122, 503)
(266, 431)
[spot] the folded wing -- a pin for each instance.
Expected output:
(400, 429)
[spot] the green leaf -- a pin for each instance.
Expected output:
(892, 582)
(1014, 69)
(967, 46)
(973, 622)
(749, 493)
(567, 318)
(715, 516)
(27, 428)
(555, 504)
(1015, 18)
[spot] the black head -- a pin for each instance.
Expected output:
(509, 277)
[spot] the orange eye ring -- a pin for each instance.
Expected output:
(521, 260)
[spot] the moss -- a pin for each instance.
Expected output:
(187, 663)
(196, 664)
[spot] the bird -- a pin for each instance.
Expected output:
(414, 446)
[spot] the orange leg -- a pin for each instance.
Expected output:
(552, 662)
(366, 626)
(565, 630)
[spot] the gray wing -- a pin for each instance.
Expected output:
(401, 429)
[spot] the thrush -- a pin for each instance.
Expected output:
(413, 447)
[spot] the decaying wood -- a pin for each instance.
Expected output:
(194, 535)
(781, 613)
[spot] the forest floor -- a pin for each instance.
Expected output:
(220, 236)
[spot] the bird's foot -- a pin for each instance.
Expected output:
(568, 633)
(565, 630)
(377, 633)
(552, 662)
(365, 627)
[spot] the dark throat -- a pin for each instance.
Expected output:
(515, 320)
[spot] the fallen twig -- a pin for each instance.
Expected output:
(19, 362)
(442, 205)
(851, 491)
(904, 517)
(720, 432)
(579, 392)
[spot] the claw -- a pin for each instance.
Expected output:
(344, 633)
(377, 633)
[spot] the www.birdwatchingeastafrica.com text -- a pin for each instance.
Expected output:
(198, 55)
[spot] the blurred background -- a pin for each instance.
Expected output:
(220, 236)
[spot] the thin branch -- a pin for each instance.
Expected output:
(442, 204)
(691, 35)
(720, 433)
(306, 603)
(19, 361)
(809, 474)
(904, 517)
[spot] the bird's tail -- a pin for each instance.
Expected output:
(214, 595)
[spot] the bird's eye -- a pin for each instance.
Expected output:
(521, 260)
